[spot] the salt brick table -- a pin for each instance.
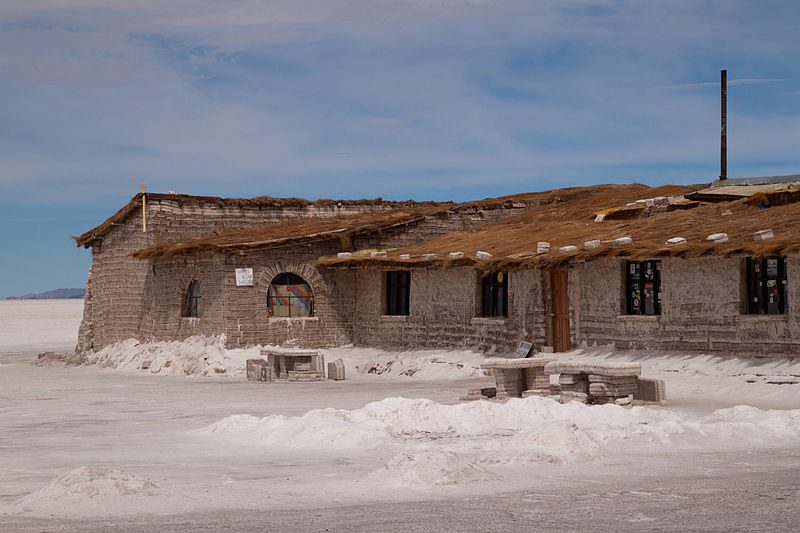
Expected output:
(295, 364)
(513, 376)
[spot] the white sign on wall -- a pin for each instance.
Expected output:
(244, 277)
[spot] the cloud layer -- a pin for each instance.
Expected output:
(393, 98)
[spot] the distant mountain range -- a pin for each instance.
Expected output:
(58, 294)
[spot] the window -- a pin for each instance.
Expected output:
(191, 306)
(398, 287)
(495, 295)
(290, 296)
(643, 282)
(766, 285)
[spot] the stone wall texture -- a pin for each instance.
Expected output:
(445, 312)
(131, 298)
(702, 303)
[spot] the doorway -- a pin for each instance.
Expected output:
(560, 309)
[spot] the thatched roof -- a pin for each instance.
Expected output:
(98, 232)
(571, 222)
(88, 238)
(294, 232)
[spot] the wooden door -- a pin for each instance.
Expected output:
(560, 310)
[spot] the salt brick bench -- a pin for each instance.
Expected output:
(295, 364)
(513, 376)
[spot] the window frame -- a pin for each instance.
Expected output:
(756, 280)
(494, 295)
(397, 293)
(290, 278)
(631, 280)
(191, 300)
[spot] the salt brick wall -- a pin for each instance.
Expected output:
(116, 287)
(702, 304)
(131, 298)
(121, 287)
(444, 312)
(241, 312)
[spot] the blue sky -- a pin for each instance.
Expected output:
(424, 99)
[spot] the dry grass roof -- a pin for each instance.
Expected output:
(570, 222)
(98, 232)
(291, 232)
(264, 202)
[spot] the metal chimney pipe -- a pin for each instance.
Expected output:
(723, 140)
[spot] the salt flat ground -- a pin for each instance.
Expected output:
(102, 449)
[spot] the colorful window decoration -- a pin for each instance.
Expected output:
(495, 295)
(643, 286)
(767, 289)
(290, 296)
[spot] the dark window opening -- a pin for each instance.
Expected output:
(290, 296)
(398, 288)
(495, 295)
(767, 289)
(191, 307)
(643, 286)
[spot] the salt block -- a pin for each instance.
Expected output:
(650, 390)
(591, 244)
(428, 257)
(336, 370)
(676, 240)
(378, 254)
(542, 247)
(571, 379)
(567, 249)
(268, 374)
(344, 255)
(404, 256)
(522, 363)
(455, 255)
(253, 368)
(612, 380)
(483, 256)
(535, 392)
(600, 217)
(763, 235)
(581, 386)
(718, 237)
(535, 378)
(622, 241)
(604, 389)
(573, 397)
(624, 401)
(598, 368)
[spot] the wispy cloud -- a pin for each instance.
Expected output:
(390, 98)
(731, 82)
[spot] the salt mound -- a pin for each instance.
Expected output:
(428, 469)
(84, 488)
(207, 356)
(195, 356)
(557, 442)
(529, 430)
(317, 429)
(416, 364)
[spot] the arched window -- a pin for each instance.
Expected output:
(290, 296)
(191, 306)
(495, 295)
